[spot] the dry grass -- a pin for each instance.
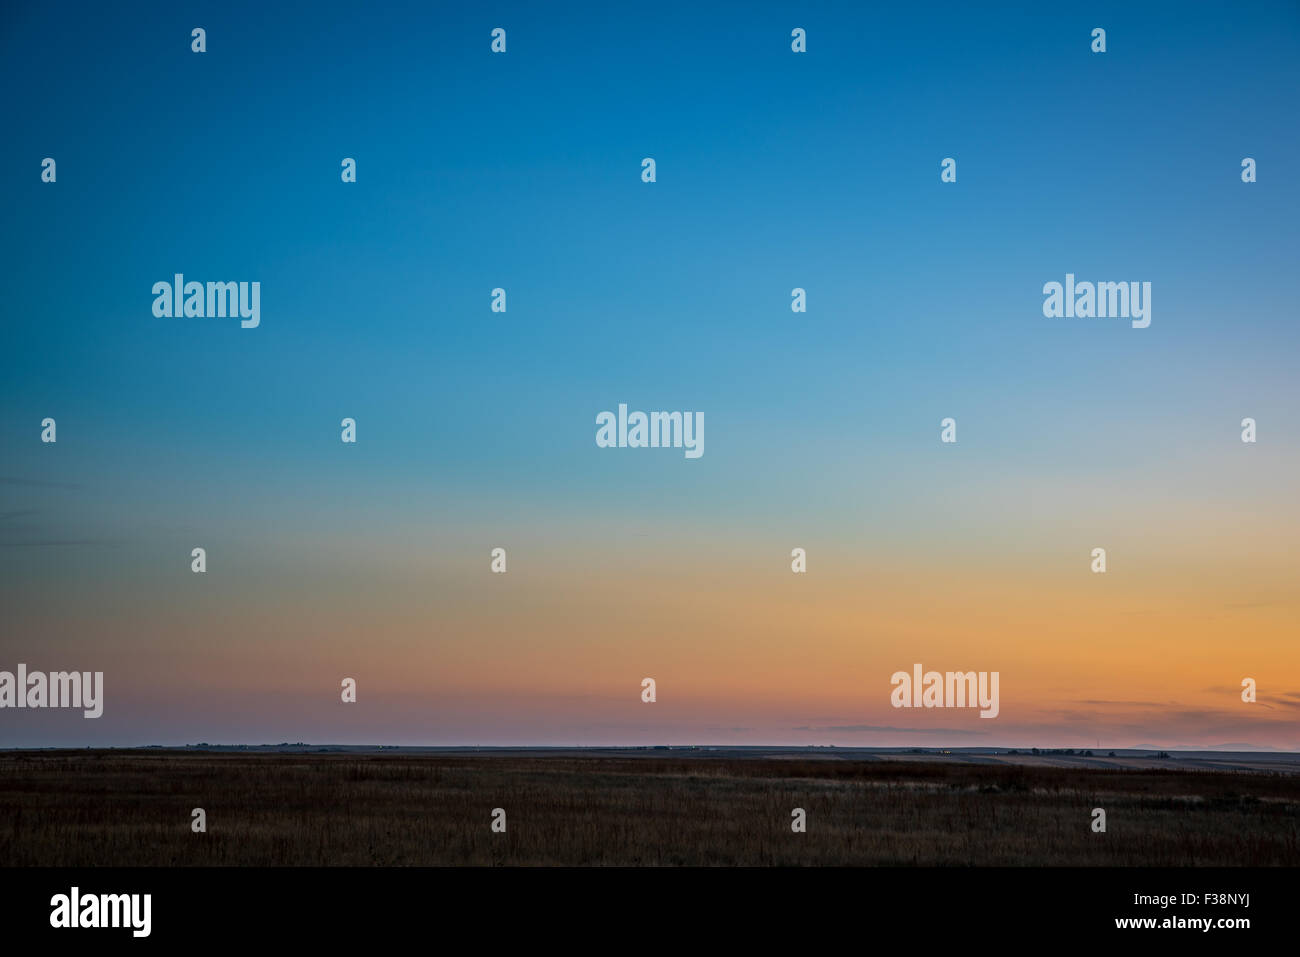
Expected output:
(133, 808)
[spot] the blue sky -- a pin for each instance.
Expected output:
(774, 170)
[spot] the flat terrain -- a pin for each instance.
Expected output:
(365, 806)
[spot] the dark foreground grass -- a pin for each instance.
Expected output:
(134, 808)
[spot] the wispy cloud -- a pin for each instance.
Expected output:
(886, 728)
(108, 543)
(36, 483)
(1132, 704)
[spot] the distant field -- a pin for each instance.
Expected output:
(80, 808)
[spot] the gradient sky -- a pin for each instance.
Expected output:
(477, 429)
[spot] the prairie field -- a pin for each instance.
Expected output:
(126, 808)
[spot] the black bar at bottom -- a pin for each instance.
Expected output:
(329, 906)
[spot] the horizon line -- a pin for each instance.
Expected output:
(929, 749)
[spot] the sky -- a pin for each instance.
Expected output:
(476, 429)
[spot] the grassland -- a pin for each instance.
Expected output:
(89, 808)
